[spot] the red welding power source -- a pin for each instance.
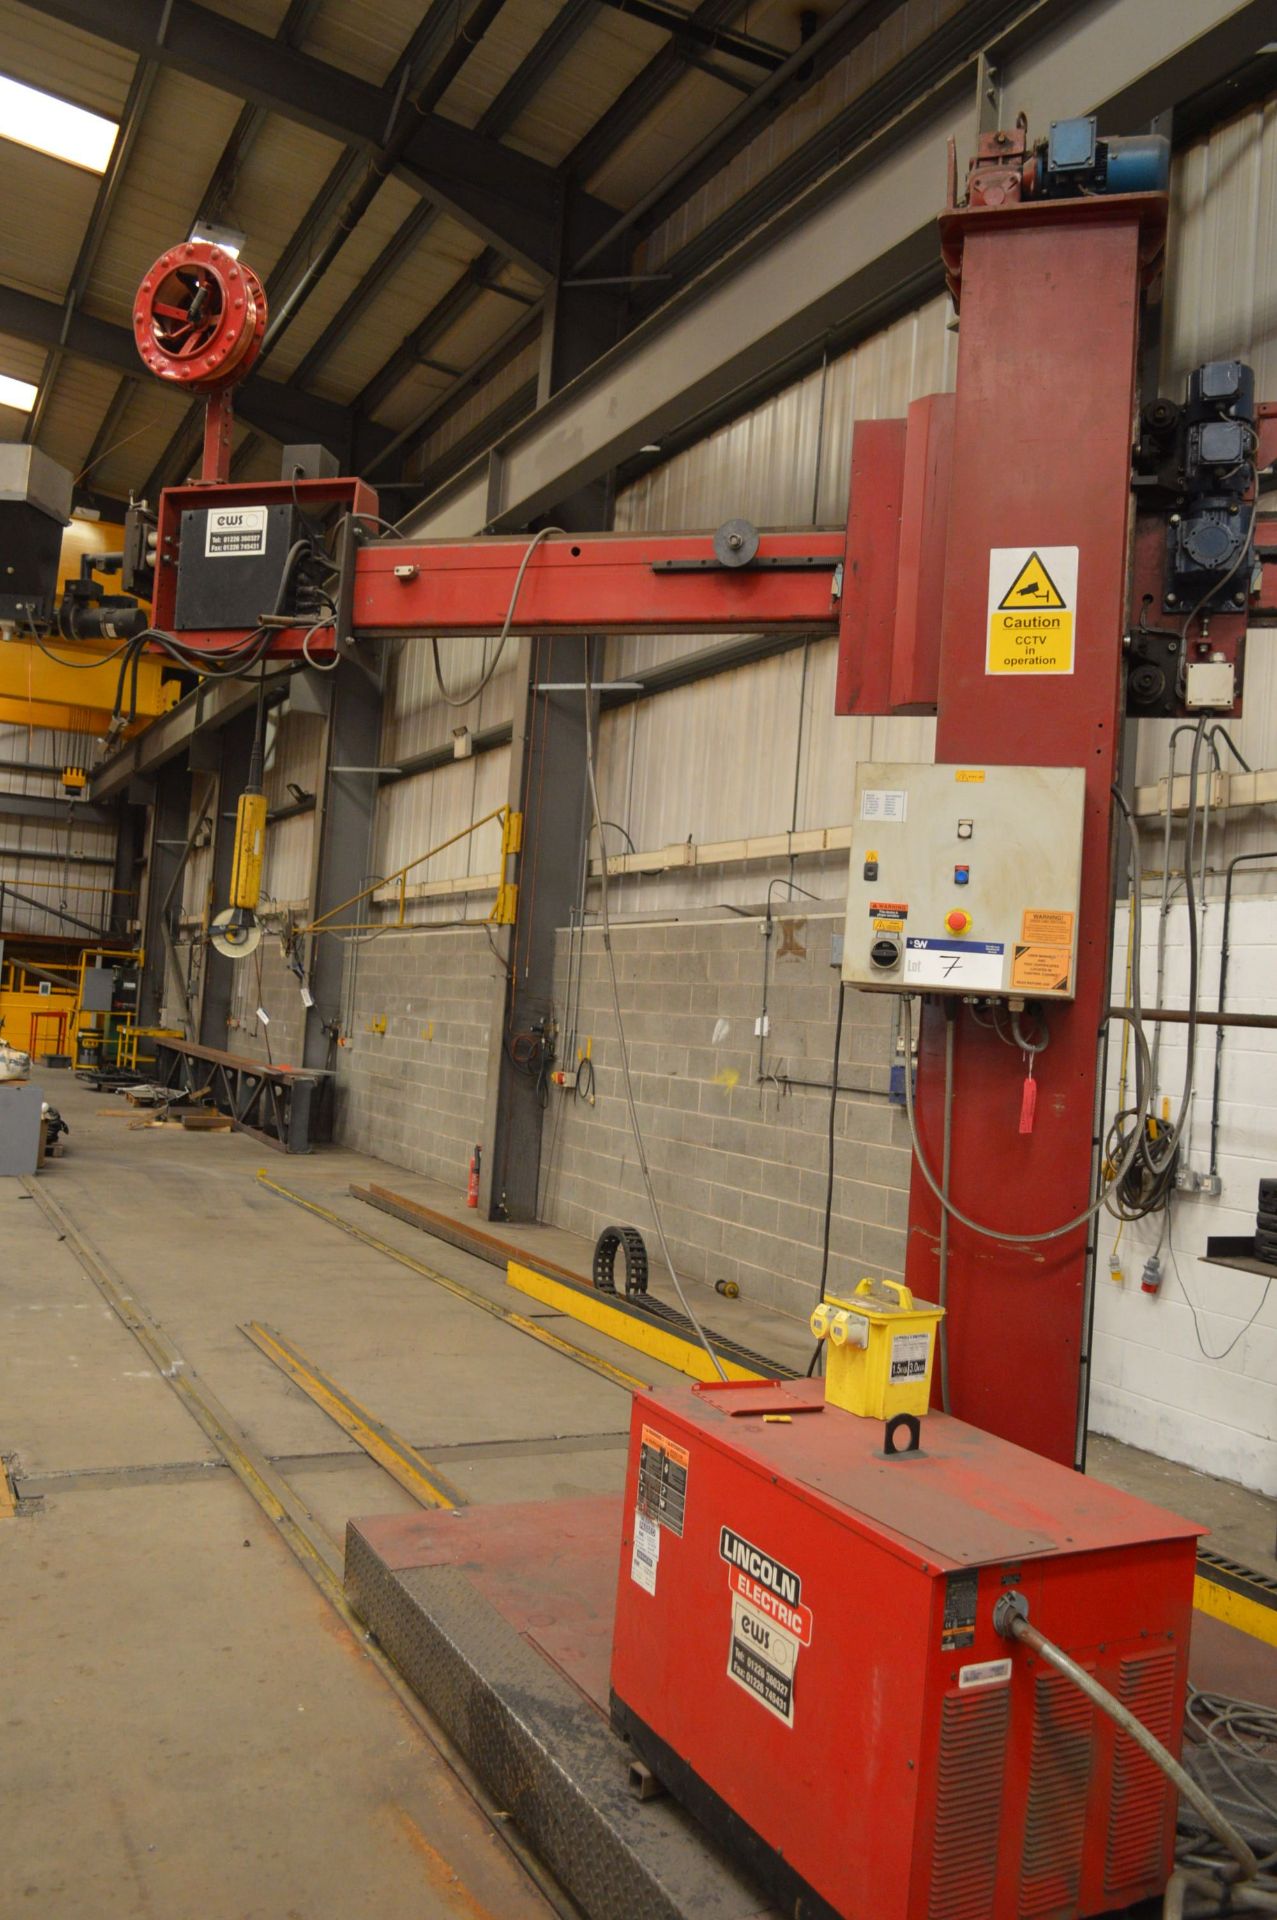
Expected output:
(805, 1655)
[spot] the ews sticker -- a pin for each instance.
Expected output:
(770, 1624)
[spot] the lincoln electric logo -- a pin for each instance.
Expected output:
(769, 1573)
(765, 1584)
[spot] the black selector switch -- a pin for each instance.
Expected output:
(885, 952)
(871, 869)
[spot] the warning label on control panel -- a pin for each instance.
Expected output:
(1046, 927)
(1036, 969)
(235, 530)
(662, 1481)
(646, 1556)
(909, 1355)
(1032, 607)
(958, 1628)
(763, 1659)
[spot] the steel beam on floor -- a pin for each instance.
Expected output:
(847, 254)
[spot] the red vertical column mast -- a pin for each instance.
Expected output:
(1043, 429)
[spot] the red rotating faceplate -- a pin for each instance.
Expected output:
(199, 316)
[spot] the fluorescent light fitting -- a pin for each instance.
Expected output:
(229, 239)
(41, 121)
(17, 393)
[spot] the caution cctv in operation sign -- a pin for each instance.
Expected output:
(1032, 609)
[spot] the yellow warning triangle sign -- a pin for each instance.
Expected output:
(1032, 587)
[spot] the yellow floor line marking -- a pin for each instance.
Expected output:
(1236, 1610)
(671, 1348)
(604, 1368)
(8, 1503)
(413, 1472)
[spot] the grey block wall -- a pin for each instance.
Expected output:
(271, 987)
(413, 1093)
(738, 1162)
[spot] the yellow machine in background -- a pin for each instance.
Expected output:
(38, 690)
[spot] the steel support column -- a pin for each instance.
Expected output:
(160, 1002)
(130, 837)
(345, 813)
(218, 976)
(548, 786)
(1050, 320)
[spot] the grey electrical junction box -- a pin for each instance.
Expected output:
(965, 880)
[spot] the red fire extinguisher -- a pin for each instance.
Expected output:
(472, 1185)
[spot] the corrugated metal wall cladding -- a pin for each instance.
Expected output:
(293, 755)
(366, 40)
(76, 66)
(496, 391)
(422, 276)
(23, 359)
(149, 421)
(416, 815)
(1220, 300)
(286, 872)
(183, 131)
(498, 55)
(609, 54)
(81, 395)
(283, 169)
(45, 197)
(906, 29)
(263, 16)
(416, 720)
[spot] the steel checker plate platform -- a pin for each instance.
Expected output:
(500, 1619)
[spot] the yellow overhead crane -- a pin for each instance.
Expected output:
(53, 683)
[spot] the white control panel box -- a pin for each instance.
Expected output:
(965, 880)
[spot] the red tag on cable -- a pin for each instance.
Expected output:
(1028, 1103)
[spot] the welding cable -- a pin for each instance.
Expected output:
(320, 666)
(1021, 1038)
(1160, 1152)
(626, 1078)
(1134, 1019)
(982, 1227)
(78, 666)
(1012, 1622)
(829, 1165)
(946, 1163)
(464, 700)
(1238, 1732)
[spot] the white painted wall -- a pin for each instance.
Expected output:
(1191, 1371)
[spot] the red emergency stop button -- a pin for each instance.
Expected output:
(958, 921)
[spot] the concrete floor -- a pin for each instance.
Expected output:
(189, 1728)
